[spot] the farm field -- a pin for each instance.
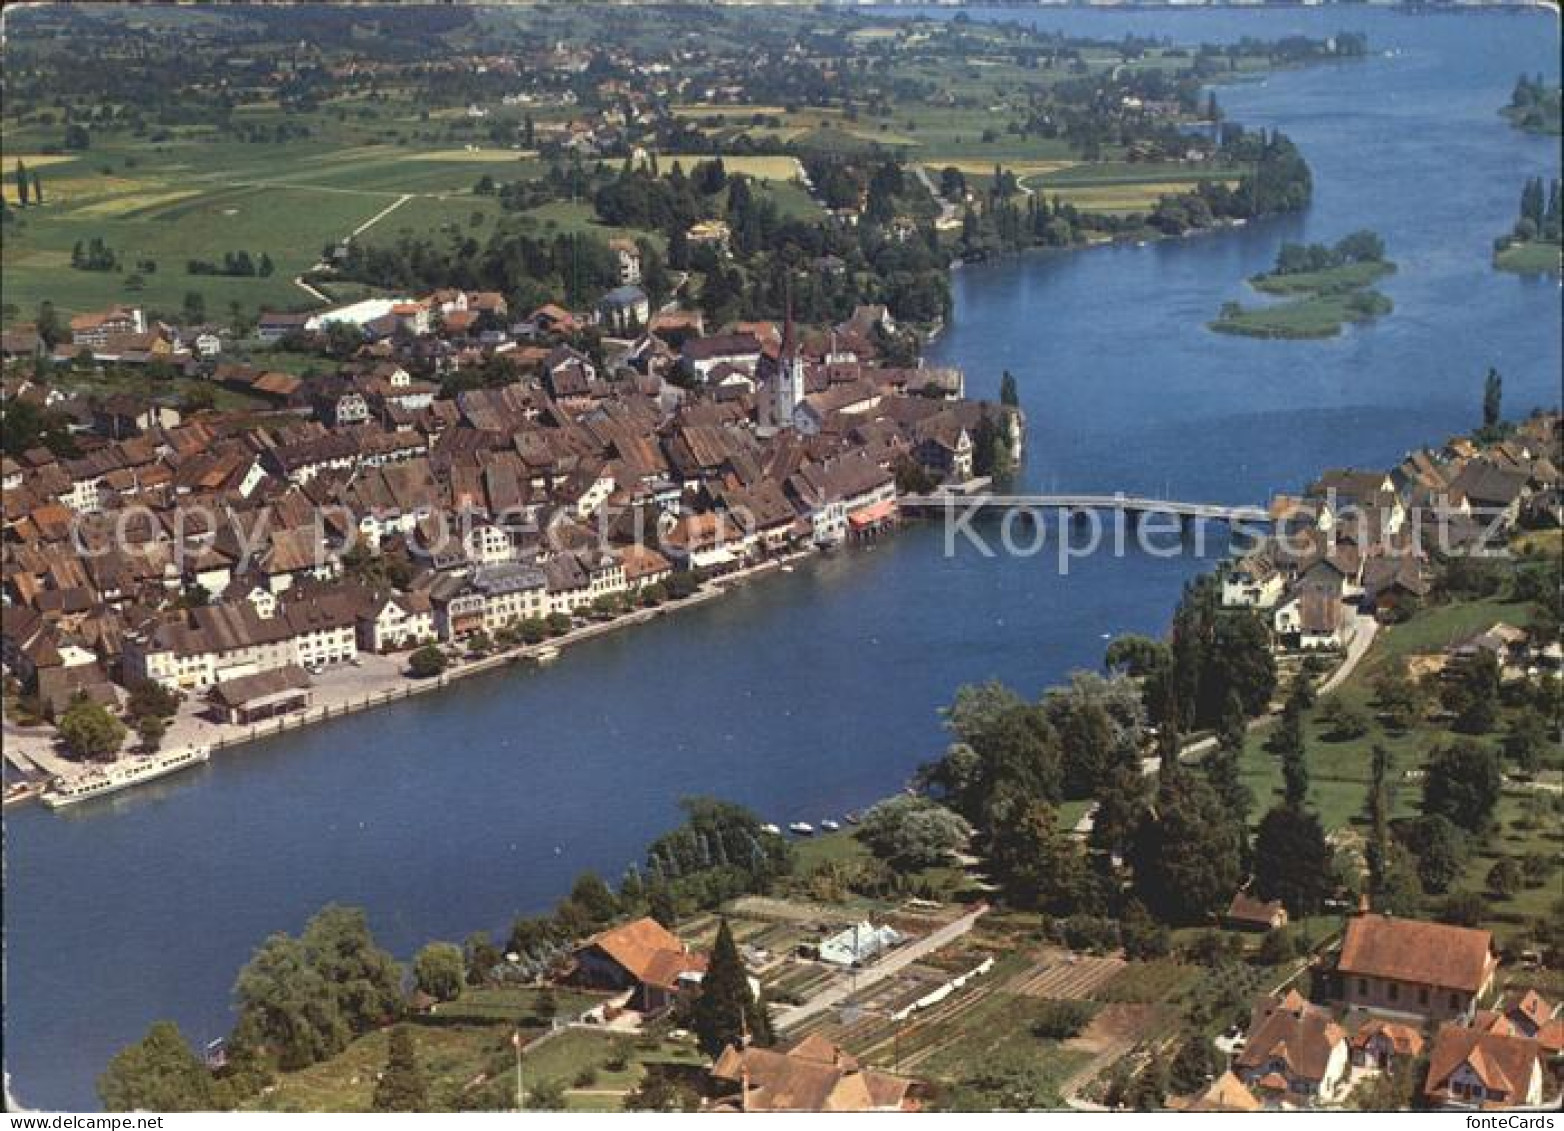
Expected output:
(187, 198)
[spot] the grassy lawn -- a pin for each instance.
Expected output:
(1534, 257)
(1525, 821)
(1348, 277)
(602, 1062)
(169, 390)
(452, 1057)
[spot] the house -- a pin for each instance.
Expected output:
(274, 326)
(629, 257)
(1490, 493)
(643, 957)
(263, 695)
(1416, 968)
(810, 1075)
(705, 540)
(1394, 582)
(1246, 913)
(1252, 582)
(1227, 1094)
(1476, 1071)
(1296, 1055)
(1379, 1045)
(93, 331)
(643, 566)
(700, 356)
(625, 308)
(396, 621)
(1312, 619)
(488, 598)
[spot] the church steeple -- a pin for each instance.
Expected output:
(787, 390)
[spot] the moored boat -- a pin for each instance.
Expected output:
(801, 828)
(103, 780)
(830, 826)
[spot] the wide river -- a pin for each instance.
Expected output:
(815, 692)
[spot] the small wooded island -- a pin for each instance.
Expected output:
(1327, 287)
(1535, 106)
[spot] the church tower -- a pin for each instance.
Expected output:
(787, 389)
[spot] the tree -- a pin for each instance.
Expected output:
(1292, 861)
(912, 832)
(49, 325)
(1505, 878)
(89, 730)
(157, 1073)
(1035, 863)
(1186, 850)
(726, 1010)
(481, 956)
(660, 1090)
(148, 697)
(1377, 851)
(37, 187)
(1342, 722)
(401, 1086)
(439, 970)
(1526, 740)
(363, 979)
(1009, 396)
(427, 662)
(1194, 1065)
(286, 1007)
(21, 183)
(1471, 692)
(1441, 852)
(595, 898)
(150, 729)
(1462, 783)
(1295, 776)
(1493, 398)
(194, 308)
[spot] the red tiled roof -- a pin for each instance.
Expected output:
(1410, 950)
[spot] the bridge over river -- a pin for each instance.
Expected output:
(966, 502)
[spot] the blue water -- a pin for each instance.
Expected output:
(815, 692)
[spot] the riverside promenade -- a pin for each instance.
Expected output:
(373, 681)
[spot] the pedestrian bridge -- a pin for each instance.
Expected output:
(954, 502)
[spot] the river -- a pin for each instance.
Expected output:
(814, 692)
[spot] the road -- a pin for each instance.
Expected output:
(320, 296)
(947, 210)
(892, 964)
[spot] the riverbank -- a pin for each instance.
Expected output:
(372, 681)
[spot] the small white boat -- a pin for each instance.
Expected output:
(831, 826)
(787, 569)
(547, 655)
(801, 828)
(772, 829)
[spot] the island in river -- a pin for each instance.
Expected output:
(1325, 288)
